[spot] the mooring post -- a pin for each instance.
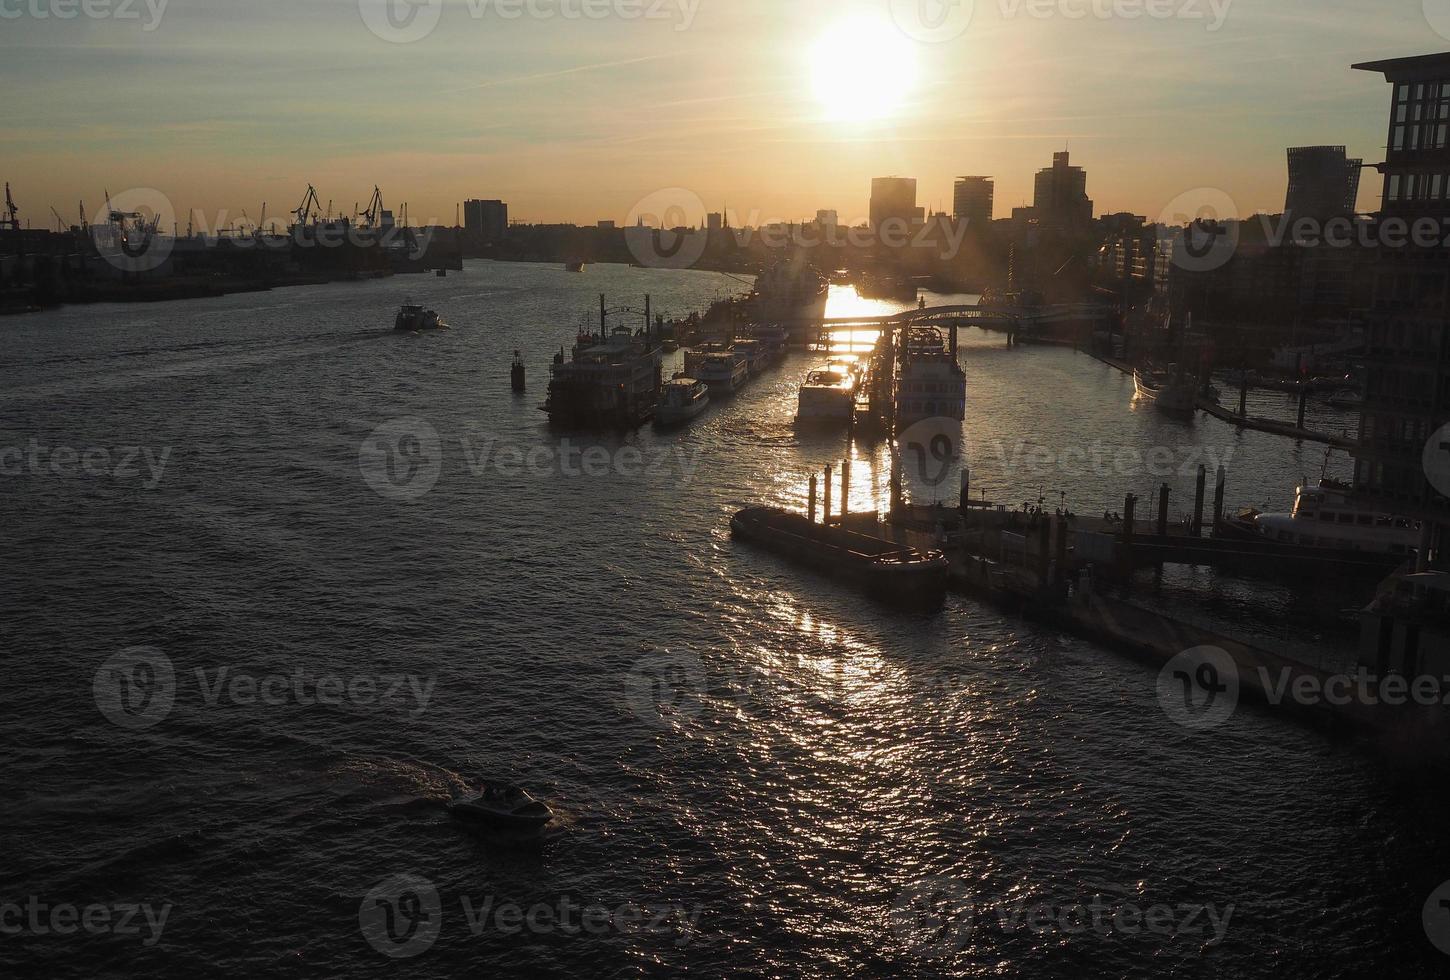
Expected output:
(965, 500)
(603, 318)
(1218, 491)
(1198, 501)
(1044, 551)
(845, 488)
(1130, 505)
(826, 498)
(811, 511)
(1061, 550)
(1244, 394)
(1303, 400)
(1163, 510)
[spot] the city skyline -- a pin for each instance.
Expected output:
(577, 120)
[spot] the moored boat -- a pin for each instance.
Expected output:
(681, 399)
(828, 394)
(608, 381)
(1170, 394)
(885, 570)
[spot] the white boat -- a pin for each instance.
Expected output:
(757, 355)
(1329, 515)
(721, 366)
(681, 399)
(930, 383)
(827, 395)
(1169, 393)
(502, 806)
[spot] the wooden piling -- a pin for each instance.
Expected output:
(845, 488)
(826, 497)
(1198, 495)
(1130, 506)
(812, 508)
(1163, 494)
(1218, 492)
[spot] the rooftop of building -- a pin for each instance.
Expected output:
(1417, 68)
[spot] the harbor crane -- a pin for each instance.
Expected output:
(11, 219)
(374, 213)
(310, 208)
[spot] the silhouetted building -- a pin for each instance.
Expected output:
(486, 221)
(1407, 391)
(1323, 182)
(1060, 196)
(828, 220)
(714, 221)
(972, 200)
(895, 197)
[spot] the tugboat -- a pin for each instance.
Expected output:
(501, 806)
(681, 400)
(612, 380)
(885, 570)
(413, 318)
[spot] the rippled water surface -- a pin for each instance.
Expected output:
(782, 776)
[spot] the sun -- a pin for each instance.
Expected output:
(862, 69)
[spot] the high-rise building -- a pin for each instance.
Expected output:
(972, 200)
(486, 221)
(828, 219)
(1060, 196)
(1404, 442)
(1323, 183)
(714, 221)
(895, 198)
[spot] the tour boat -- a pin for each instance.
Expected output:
(608, 381)
(502, 806)
(885, 570)
(827, 395)
(721, 366)
(930, 383)
(412, 318)
(681, 399)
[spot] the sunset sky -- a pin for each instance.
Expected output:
(755, 104)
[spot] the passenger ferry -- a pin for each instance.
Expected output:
(681, 400)
(612, 380)
(930, 383)
(828, 395)
(721, 366)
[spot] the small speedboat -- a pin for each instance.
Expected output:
(503, 806)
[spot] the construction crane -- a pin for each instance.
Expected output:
(60, 224)
(307, 211)
(11, 219)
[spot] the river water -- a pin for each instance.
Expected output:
(250, 652)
